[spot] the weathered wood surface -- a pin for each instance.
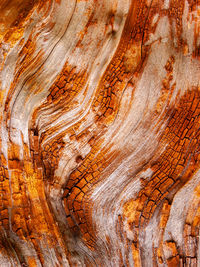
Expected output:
(99, 133)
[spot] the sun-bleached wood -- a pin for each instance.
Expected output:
(99, 133)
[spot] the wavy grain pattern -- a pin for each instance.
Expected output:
(99, 133)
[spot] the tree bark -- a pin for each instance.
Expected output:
(99, 133)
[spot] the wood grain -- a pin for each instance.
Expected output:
(99, 133)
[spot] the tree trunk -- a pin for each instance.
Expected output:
(99, 133)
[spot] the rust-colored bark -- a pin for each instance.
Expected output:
(99, 133)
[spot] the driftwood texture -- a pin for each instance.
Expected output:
(99, 133)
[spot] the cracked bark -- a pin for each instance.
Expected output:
(99, 133)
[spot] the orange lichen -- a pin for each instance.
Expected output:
(13, 14)
(136, 257)
(175, 166)
(93, 123)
